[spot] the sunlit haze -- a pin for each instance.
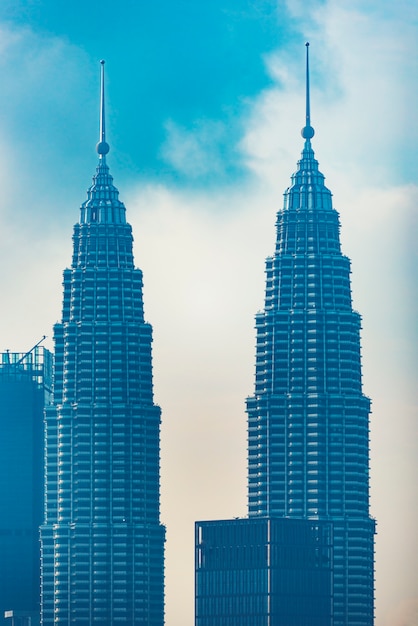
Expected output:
(205, 102)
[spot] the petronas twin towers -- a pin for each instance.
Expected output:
(304, 555)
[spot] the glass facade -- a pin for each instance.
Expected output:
(25, 386)
(102, 541)
(308, 420)
(263, 572)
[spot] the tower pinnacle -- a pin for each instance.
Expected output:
(307, 131)
(102, 147)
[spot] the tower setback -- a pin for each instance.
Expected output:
(102, 541)
(308, 420)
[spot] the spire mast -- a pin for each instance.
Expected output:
(308, 132)
(102, 147)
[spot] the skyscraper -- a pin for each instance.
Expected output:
(308, 420)
(102, 541)
(25, 384)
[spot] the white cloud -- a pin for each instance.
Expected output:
(41, 88)
(44, 120)
(363, 97)
(203, 261)
(195, 152)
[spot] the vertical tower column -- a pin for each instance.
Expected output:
(102, 541)
(308, 420)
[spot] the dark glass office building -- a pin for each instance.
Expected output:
(308, 420)
(102, 541)
(25, 384)
(263, 571)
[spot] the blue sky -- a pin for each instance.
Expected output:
(205, 102)
(180, 61)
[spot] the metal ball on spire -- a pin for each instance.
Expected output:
(102, 147)
(307, 132)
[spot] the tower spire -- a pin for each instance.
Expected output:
(102, 147)
(307, 131)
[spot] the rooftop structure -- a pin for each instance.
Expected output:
(25, 385)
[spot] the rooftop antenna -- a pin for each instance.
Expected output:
(307, 131)
(29, 351)
(102, 147)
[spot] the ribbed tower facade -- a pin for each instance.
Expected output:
(102, 541)
(308, 420)
(305, 554)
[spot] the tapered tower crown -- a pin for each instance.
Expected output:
(102, 205)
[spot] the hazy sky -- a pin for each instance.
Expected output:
(205, 106)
